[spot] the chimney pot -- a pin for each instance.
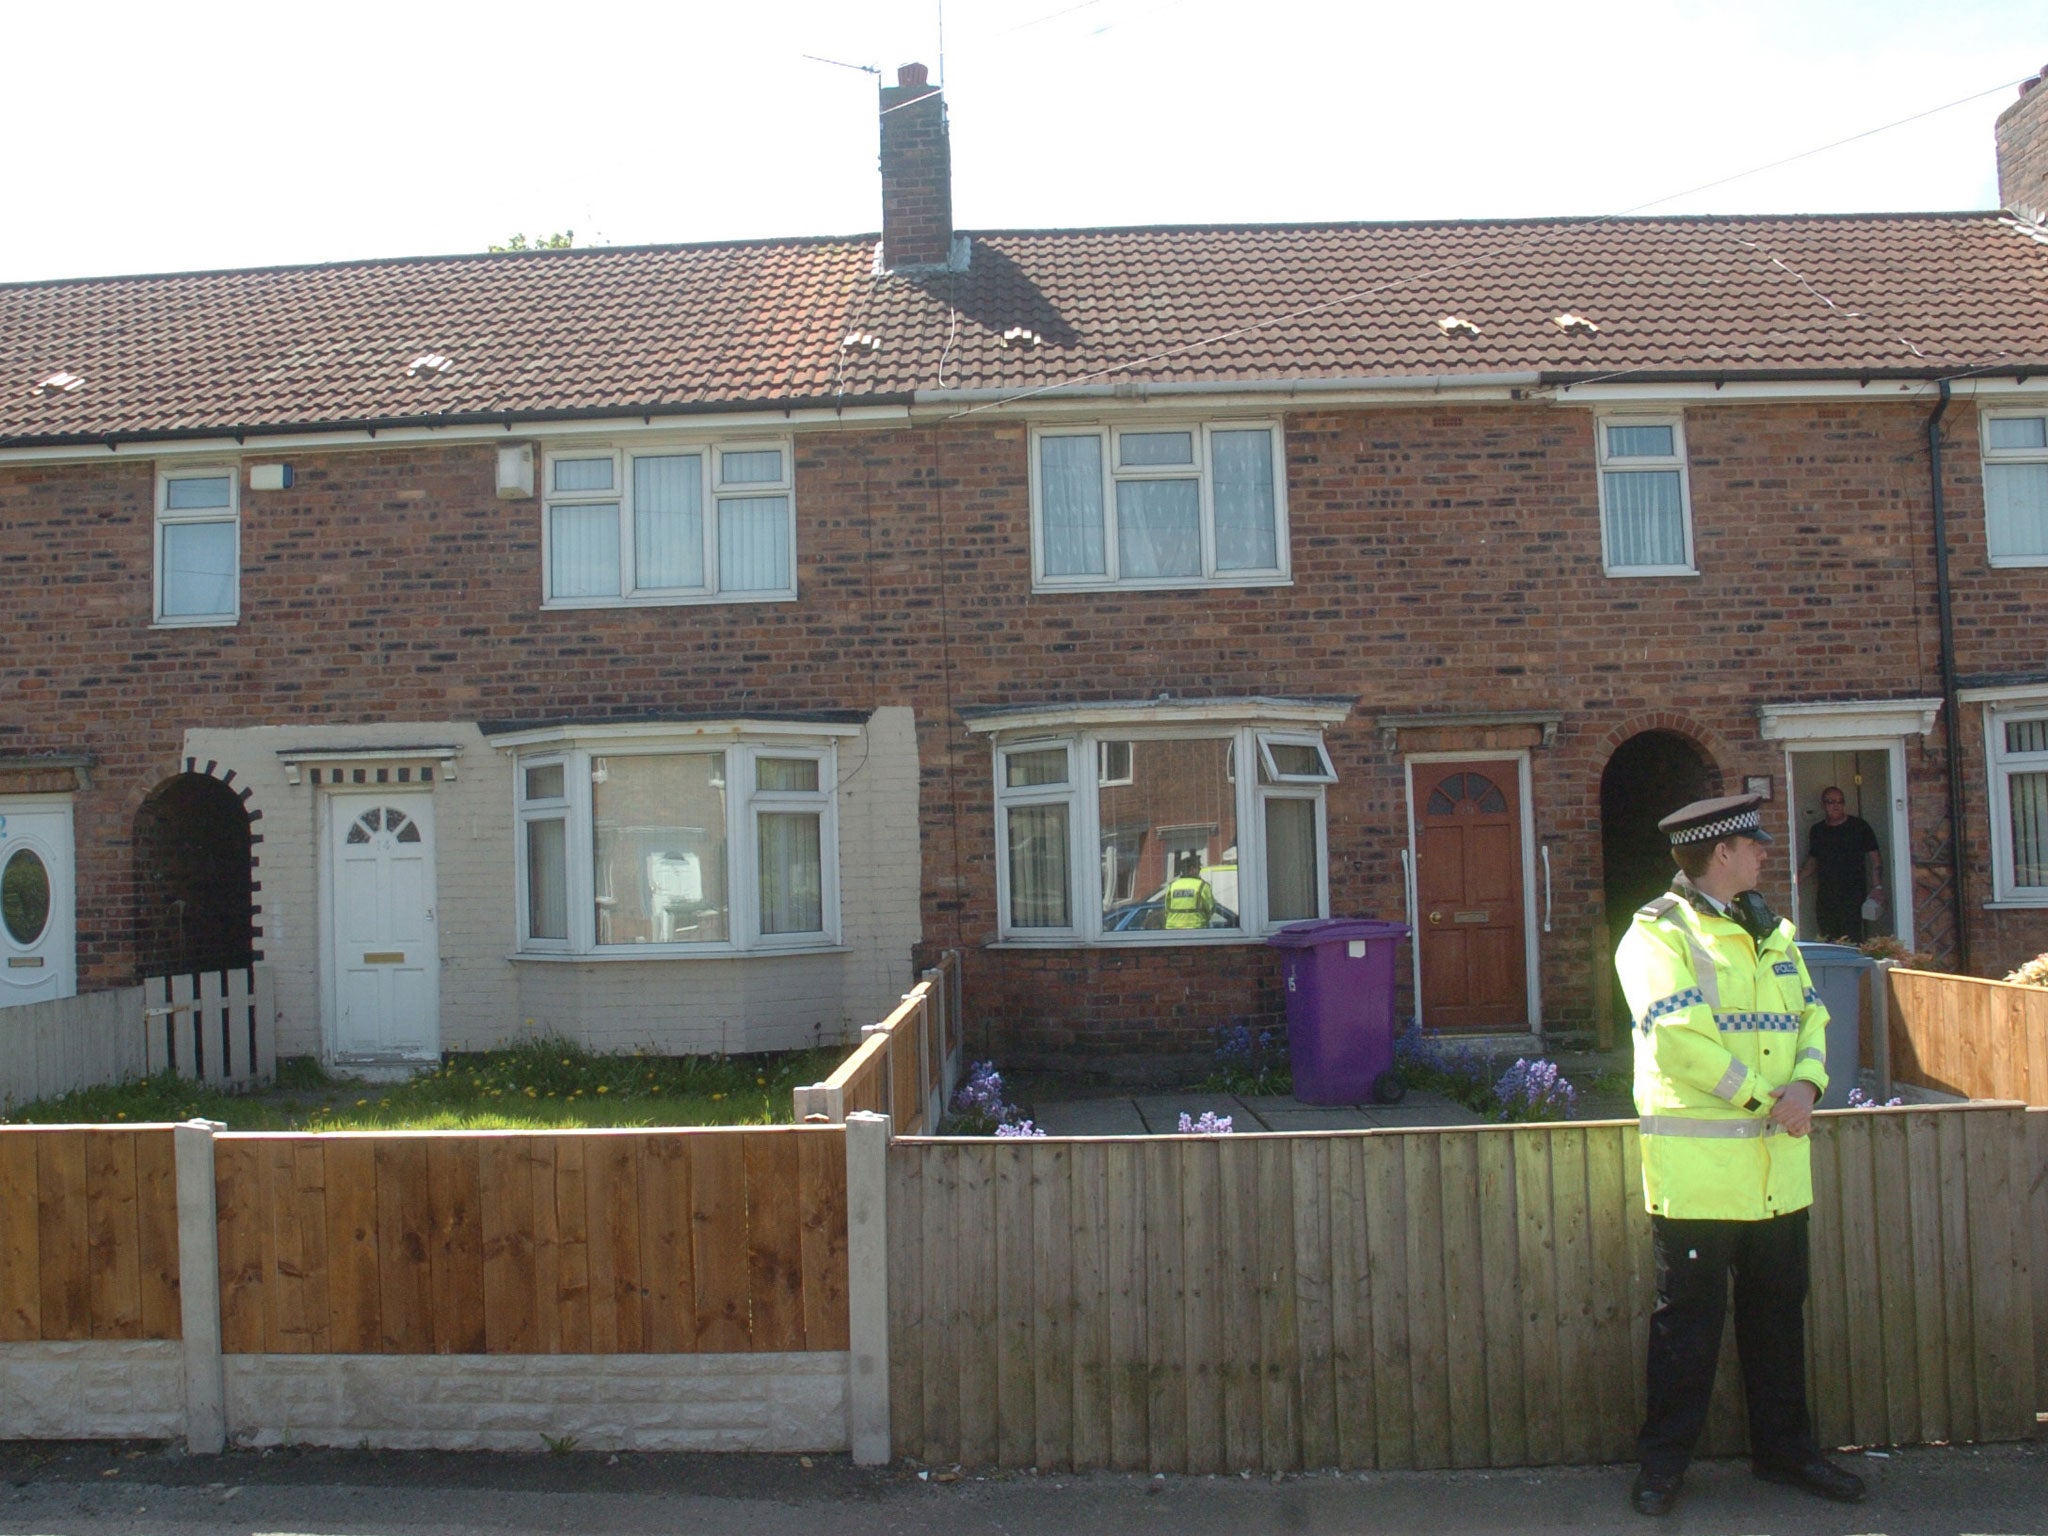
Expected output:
(912, 75)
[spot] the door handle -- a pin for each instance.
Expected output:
(1436, 917)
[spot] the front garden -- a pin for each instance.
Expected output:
(542, 1085)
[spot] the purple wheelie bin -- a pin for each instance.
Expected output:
(1340, 1008)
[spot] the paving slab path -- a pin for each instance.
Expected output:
(114, 1490)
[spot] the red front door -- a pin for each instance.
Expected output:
(1468, 888)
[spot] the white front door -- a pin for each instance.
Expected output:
(383, 954)
(38, 958)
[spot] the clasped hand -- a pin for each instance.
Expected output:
(1792, 1107)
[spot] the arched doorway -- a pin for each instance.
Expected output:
(1649, 776)
(195, 903)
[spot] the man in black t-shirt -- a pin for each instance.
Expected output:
(1843, 850)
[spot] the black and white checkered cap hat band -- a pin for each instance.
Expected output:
(1742, 821)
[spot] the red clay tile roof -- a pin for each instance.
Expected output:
(676, 328)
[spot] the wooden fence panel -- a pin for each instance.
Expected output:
(2037, 1224)
(715, 1241)
(88, 1233)
(1965, 1035)
(1466, 1297)
(69, 1043)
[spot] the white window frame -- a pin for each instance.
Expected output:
(1990, 458)
(1605, 464)
(1203, 472)
(711, 454)
(1104, 768)
(744, 804)
(231, 514)
(2001, 765)
(1082, 798)
(1267, 740)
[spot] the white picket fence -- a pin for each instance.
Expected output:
(218, 1027)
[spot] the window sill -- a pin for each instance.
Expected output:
(1635, 573)
(2017, 904)
(634, 956)
(208, 621)
(687, 600)
(2016, 562)
(1147, 941)
(1045, 588)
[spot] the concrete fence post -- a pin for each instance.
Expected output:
(867, 1288)
(206, 1430)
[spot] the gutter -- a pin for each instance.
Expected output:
(1957, 865)
(508, 420)
(1138, 389)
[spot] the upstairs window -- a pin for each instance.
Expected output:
(711, 522)
(1198, 504)
(2016, 488)
(1645, 507)
(198, 547)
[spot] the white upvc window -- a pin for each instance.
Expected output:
(1188, 504)
(691, 523)
(198, 546)
(2016, 487)
(703, 845)
(1090, 857)
(2016, 739)
(1645, 496)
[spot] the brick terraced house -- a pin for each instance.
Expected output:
(672, 646)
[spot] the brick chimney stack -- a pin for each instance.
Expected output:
(2023, 151)
(917, 174)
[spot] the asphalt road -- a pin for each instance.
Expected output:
(112, 1490)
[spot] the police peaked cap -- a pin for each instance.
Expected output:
(1706, 821)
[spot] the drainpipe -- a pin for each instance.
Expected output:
(1954, 731)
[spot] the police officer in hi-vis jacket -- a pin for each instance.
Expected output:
(1731, 1057)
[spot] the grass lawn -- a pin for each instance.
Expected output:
(540, 1086)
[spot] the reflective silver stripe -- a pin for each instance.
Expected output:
(1731, 1081)
(1811, 1054)
(1679, 1125)
(1705, 973)
(1705, 976)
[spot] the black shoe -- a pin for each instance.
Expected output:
(1816, 1475)
(1655, 1492)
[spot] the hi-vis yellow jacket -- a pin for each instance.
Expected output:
(1719, 1022)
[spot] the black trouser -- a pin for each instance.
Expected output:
(1840, 918)
(1694, 1259)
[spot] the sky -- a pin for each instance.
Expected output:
(174, 137)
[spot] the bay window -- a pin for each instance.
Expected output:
(1172, 505)
(1094, 824)
(2017, 739)
(642, 845)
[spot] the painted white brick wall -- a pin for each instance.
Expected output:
(487, 999)
(96, 1390)
(766, 1402)
(473, 870)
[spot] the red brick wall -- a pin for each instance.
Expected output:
(1444, 558)
(2022, 135)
